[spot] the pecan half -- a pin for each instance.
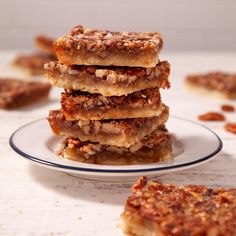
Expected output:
(212, 116)
(227, 108)
(230, 127)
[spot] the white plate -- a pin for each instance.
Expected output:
(193, 144)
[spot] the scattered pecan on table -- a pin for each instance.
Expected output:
(211, 116)
(230, 127)
(227, 108)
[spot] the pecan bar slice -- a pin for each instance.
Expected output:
(216, 83)
(165, 209)
(33, 64)
(45, 44)
(15, 93)
(108, 81)
(122, 133)
(153, 148)
(85, 106)
(85, 46)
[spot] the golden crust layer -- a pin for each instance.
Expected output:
(85, 106)
(222, 83)
(121, 133)
(153, 148)
(108, 81)
(165, 209)
(16, 93)
(102, 47)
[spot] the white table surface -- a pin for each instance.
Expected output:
(39, 201)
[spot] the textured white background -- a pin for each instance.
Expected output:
(185, 24)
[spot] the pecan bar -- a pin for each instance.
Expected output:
(165, 209)
(85, 106)
(218, 83)
(84, 46)
(153, 148)
(33, 64)
(15, 93)
(122, 133)
(45, 44)
(108, 81)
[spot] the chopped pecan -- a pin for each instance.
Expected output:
(212, 116)
(228, 108)
(230, 127)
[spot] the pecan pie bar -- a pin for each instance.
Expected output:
(108, 81)
(85, 46)
(153, 148)
(85, 106)
(217, 83)
(45, 44)
(165, 209)
(33, 64)
(15, 93)
(122, 133)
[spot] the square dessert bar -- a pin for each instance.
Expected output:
(15, 93)
(153, 148)
(45, 44)
(85, 46)
(33, 64)
(215, 83)
(78, 105)
(108, 81)
(165, 209)
(118, 132)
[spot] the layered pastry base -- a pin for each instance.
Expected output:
(84, 46)
(165, 209)
(215, 83)
(108, 81)
(16, 93)
(45, 44)
(153, 148)
(121, 133)
(79, 105)
(33, 64)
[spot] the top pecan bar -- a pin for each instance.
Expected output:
(102, 47)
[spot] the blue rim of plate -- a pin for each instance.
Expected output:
(86, 169)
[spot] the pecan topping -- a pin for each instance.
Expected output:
(227, 108)
(98, 41)
(212, 116)
(230, 127)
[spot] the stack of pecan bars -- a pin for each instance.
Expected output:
(112, 112)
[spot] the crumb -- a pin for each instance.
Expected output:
(230, 127)
(227, 108)
(211, 116)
